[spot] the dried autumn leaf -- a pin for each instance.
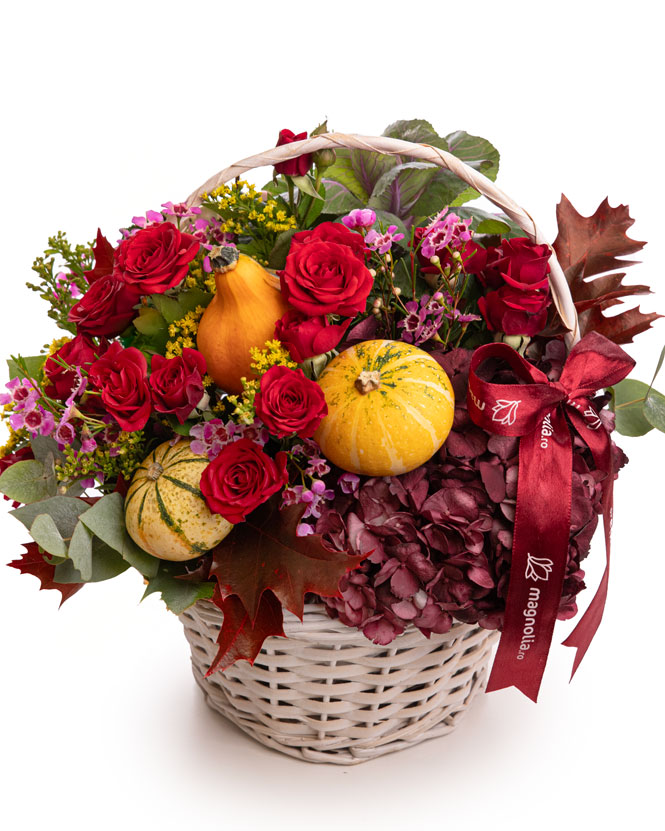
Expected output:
(104, 258)
(264, 553)
(239, 638)
(588, 247)
(33, 562)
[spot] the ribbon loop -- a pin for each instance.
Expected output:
(543, 413)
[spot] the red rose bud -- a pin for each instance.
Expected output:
(288, 402)
(155, 259)
(241, 478)
(332, 232)
(120, 375)
(80, 351)
(519, 263)
(515, 312)
(306, 337)
(325, 278)
(107, 308)
(294, 167)
(176, 383)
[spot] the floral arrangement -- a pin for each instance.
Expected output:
(277, 394)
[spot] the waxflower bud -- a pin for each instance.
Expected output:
(378, 303)
(397, 291)
(435, 259)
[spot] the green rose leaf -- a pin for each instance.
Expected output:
(45, 533)
(628, 406)
(106, 520)
(280, 250)
(306, 185)
(493, 226)
(149, 321)
(168, 307)
(28, 481)
(177, 594)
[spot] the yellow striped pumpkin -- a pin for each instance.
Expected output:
(390, 408)
(165, 511)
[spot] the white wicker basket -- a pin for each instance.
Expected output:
(326, 693)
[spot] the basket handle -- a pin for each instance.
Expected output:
(396, 147)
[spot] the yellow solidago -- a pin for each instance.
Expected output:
(197, 278)
(272, 354)
(182, 332)
(16, 437)
(123, 456)
(244, 210)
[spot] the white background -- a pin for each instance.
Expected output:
(110, 109)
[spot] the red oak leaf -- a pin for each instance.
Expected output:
(264, 553)
(590, 246)
(104, 258)
(33, 562)
(239, 638)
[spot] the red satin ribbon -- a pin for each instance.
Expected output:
(542, 413)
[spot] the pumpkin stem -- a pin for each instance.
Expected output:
(223, 258)
(155, 471)
(368, 381)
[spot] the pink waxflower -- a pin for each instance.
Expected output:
(37, 421)
(383, 242)
(181, 210)
(360, 218)
(23, 394)
(445, 231)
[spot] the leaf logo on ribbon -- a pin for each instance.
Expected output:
(538, 568)
(504, 411)
(592, 418)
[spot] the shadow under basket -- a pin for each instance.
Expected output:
(327, 694)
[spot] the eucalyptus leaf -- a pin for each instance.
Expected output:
(628, 405)
(106, 564)
(659, 365)
(654, 409)
(80, 551)
(64, 510)
(400, 188)
(178, 594)
(106, 520)
(33, 365)
(28, 481)
(45, 533)
(45, 449)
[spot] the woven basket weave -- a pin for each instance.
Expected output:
(326, 693)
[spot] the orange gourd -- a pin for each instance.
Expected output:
(242, 314)
(390, 408)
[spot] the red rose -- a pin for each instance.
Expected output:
(294, 167)
(519, 263)
(305, 336)
(241, 478)
(288, 402)
(177, 383)
(332, 232)
(121, 376)
(80, 351)
(106, 308)
(514, 311)
(155, 259)
(325, 278)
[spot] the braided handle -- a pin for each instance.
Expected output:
(425, 152)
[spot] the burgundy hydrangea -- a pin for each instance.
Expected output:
(438, 540)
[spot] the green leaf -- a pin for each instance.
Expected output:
(493, 226)
(368, 168)
(628, 406)
(417, 130)
(660, 363)
(479, 154)
(343, 172)
(80, 551)
(178, 594)
(106, 520)
(33, 365)
(654, 409)
(305, 184)
(28, 482)
(280, 250)
(400, 188)
(45, 450)
(149, 321)
(64, 511)
(169, 307)
(384, 219)
(441, 191)
(45, 533)
(106, 564)
(190, 299)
